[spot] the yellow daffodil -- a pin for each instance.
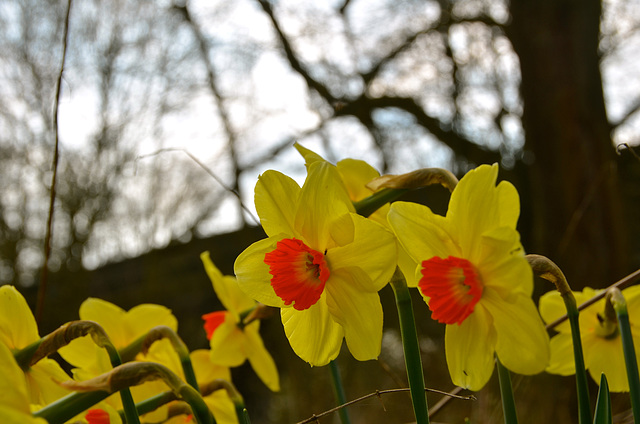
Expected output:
(219, 402)
(231, 341)
(600, 336)
(321, 263)
(473, 275)
(18, 330)
(14, 394)
(123, 328)
(356, 175)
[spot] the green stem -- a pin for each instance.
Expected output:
(545, 268)
(128, 404)
(63, 409)
(506, 393)
(338, 390)
(584, 409)
(411, 348)
(620, 306)
(369, 205)
(152, 403)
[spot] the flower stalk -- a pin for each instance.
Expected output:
(161, 332)
(617, 301)
(506, 394)
(411, 348)
(548, 270)
(338, 389)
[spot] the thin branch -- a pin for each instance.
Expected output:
(293, 59)
(407, 43)
(49, 234)
(212, 79)
(208, 171)
(378, 393)
(620, 284)
(460, 145)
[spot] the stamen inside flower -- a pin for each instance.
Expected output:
(299, 273)
(212, 321)
(453, 285)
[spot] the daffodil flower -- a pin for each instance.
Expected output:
(123, 328)
(18, 330)
(473, 275)
(600, 336)
(356, 175)
(232, 342)
(219, 402)
(322, 264)
(14, 394)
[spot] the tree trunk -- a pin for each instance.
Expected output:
(575, 202)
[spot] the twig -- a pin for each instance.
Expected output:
(48, 236)
(207, 170)
(626, 281)
(378, 393)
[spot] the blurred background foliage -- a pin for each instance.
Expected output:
(550, 89)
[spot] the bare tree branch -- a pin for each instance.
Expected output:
(47, 239)
(230, 133)
(293, 59)
(462, 147)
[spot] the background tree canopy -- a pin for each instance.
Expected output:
(546, 88)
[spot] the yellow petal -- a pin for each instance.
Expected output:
(260, 359)
(142, 318)
(373, 250)
(359, 313)
(84, 353)
(606, 356)
(308, 155)
(409, 267)
(323, 198)
(252, 273)
(312, 333)
(42, 381)
(228, 344)
(356, 174)
(522, 341)
(502, 263)
(226, 287)
(275, 199)
(13, 387)
(551, 307)
(477, 205)
(222, 407)
(205, 370)
(422, 233)
(470, 350)
(562, 360)
(109, 316)
(18, 328)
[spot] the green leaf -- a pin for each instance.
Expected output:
(602, 414)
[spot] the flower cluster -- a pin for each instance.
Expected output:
(322, 266)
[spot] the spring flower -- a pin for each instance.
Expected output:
(231, 342)
(601, 341)
(18, 330)
(473, 275)
(322, 264)
(356, 175)
(219, 402)
(123, 328)
(14, 394)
